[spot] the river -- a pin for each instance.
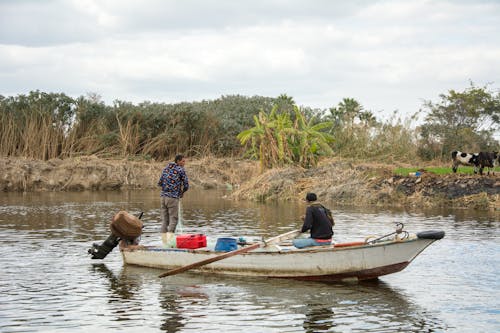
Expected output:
(48, 283)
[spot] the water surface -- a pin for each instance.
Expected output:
(48, 283)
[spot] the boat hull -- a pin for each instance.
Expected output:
(328, 263)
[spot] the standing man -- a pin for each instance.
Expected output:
(317, 221)
(173, 182)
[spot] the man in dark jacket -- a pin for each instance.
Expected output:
(317, 221)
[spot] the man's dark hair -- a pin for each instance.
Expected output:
(178, 158)
(311, 197)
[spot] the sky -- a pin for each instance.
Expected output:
(388, 55)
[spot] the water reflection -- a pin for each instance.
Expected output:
(127, 292)
(319, 318)
(173, 319)
(121, 287)
(48, 283)
(191, 301)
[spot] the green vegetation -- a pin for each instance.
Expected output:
(47, 125)
(465, 121)
(439, 170)
(273, 130)
(286, 137)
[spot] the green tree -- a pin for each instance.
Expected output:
(277, 140)
(466, 120)
(35, 125)
(310, 139)
(350, 124)
(284, 104)
(346, 112)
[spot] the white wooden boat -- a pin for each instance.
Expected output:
(363, 260)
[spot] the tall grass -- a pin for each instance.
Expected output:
(393, 140)
(45, 126)
(32, 135)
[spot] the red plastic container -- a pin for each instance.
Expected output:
(191, 241)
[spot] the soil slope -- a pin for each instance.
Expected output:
(92, 173)
(333, 180)
(369, 184)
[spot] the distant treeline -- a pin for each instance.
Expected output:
(53, 125)
(43, 125)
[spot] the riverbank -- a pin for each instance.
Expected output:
(94, 174)
(345, 182)
(333, 180)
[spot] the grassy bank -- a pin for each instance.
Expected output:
(464, 170)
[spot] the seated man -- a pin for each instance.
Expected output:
(316, 220)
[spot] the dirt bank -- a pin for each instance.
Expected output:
(92, 173)
(371, 184)
(332, 180)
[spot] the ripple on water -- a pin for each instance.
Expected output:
(48, 282)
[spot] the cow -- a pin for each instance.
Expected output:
(487, 160)
(461, 158)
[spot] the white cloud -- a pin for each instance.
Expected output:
(387, 54)
(102, 17)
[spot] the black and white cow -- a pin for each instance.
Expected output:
(461, 158)
(487, 160)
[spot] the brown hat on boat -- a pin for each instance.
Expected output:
(311, 197)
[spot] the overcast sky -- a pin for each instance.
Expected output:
(389, 55)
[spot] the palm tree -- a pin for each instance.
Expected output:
(255, 136)
(310, 139)
(276, 140)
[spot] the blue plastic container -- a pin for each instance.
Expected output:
(226, 244)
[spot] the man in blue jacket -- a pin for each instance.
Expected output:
(174, 182)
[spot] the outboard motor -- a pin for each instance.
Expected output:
(124, 226)
(100, 251)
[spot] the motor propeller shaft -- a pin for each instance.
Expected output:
(101, 251)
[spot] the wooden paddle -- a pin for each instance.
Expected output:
(267, 242)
